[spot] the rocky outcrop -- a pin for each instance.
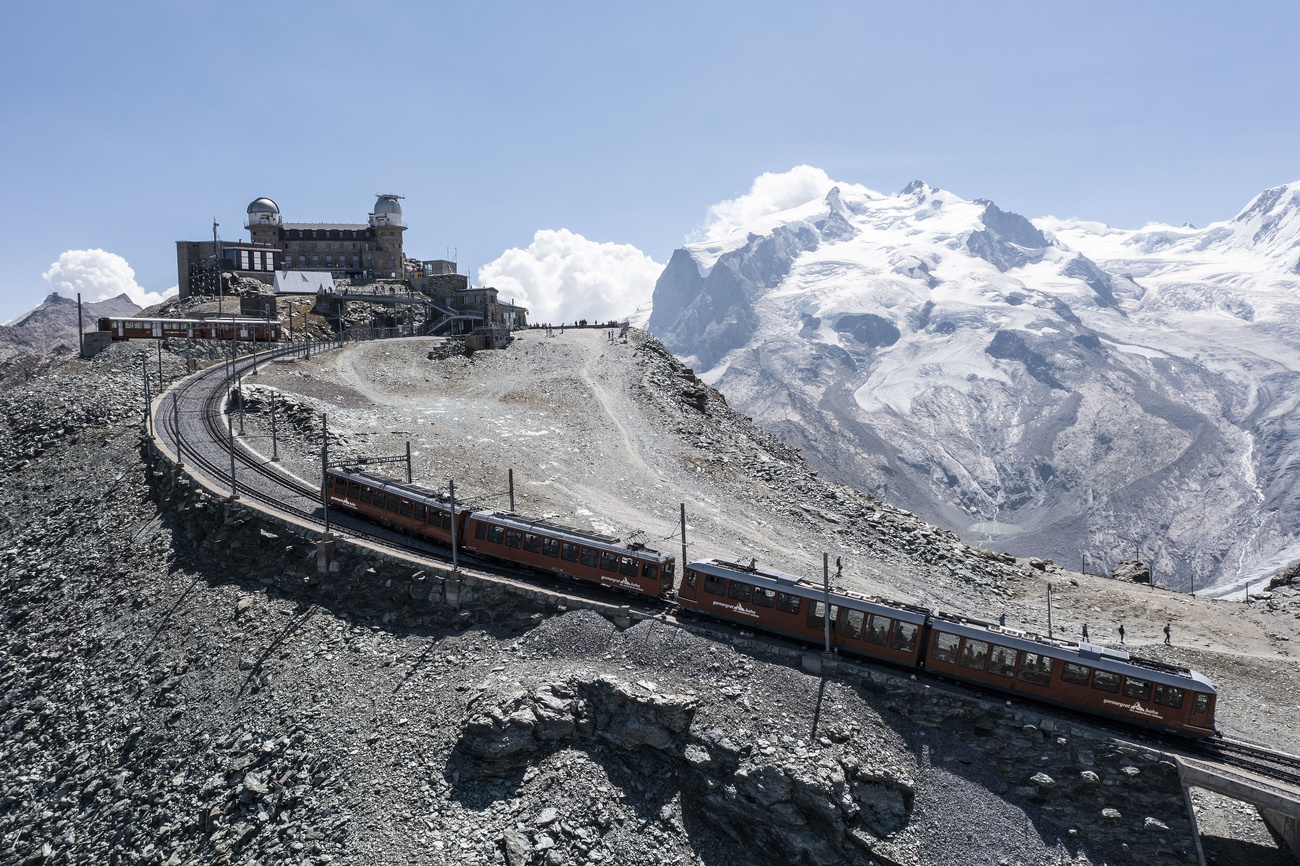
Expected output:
(1134, 570)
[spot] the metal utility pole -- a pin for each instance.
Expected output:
(239, 385)
(176, 422)
(160, 378)
(1049, 615)
(683, 538)
(826, 597)
(510, 474)
(324, 467)
(148, 417)
(455, 560)
(408, 461)
(230, 434)
(275, 452)
(81, 334)
(216, 266)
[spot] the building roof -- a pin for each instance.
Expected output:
(263, 205)
(356, 226)
(303, 282)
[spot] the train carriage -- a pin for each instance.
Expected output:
(243, 329)
(1099, 680)
(411, 507)
(570, 552)
(788, 605)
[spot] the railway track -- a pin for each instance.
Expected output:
(286, 494)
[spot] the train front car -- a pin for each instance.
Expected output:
(788, 605)
(573, 553)
(409, 507)
(1091, 678)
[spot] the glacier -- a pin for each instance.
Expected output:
(1048, 387)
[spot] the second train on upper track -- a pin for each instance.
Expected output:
(1082, 676)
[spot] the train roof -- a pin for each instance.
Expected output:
(1116, 661)
(793, 585)
(414, 492)
(568, 533)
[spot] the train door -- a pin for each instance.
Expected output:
(243, 333)
(157, 329)
(1202, 711)
(121, 330)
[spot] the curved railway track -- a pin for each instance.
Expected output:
(204, 417)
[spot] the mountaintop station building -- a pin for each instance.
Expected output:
(355, 254)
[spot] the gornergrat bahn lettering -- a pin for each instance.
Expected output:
(1081, 676)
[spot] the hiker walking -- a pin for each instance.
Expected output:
(1167, 641)
(1085, 631)
(1121, 633)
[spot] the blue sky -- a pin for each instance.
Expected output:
(130, 126)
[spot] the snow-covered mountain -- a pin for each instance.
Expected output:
(1056, 387)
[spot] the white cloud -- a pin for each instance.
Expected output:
(770, 193)
(98, 275)
(563, 277)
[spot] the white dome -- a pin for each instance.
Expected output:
(263, 205)
(388, 204)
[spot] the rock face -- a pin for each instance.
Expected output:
(1133, 570)
(1053, 389)
(30, 342)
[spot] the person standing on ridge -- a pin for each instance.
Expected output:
(1121, 633)
(1167, 641)
(1085, 631)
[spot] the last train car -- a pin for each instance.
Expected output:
(791, 606)
(1096, 679)
(410, 507)
(557, 549)
(243, 329)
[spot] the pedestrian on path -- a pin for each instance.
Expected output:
(1121, 633)
(1167, 641)
(1085, 631)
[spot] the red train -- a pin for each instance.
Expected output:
(1099, 680)
(251, 330)
(497, 535)
(1090, 678)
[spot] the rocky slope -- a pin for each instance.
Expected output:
(178, 684)
(1054, 388)
(33, 340)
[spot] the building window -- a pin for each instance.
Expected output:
(302, 261)
(315, 261)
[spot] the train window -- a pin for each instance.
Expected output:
(1076, 674)
(739, 591)
(816, 612)
(532, 543)
(714, 585)
(406, 508)
(1002, 661)
(608, 561)
(627, 566)
(764, 597)
(446, 520)
(379, 499)
(945, 647)
(1035, 669)
(496, 534)
(354, 490)
(329, 482)
(394, 501)
(514, 538)
(850, 625)
(1169, 696)
(480, 529)
(668, 569)
(690, 577)
(366, 494)
(650, 570)
(550, 547)
(419, 512)
(1202, 703)
(569, 552)
(974, 653)
(1137, 689)
(878, 629)
(786, 602)
(590, 557)
(1105, 681)
(904, 637)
